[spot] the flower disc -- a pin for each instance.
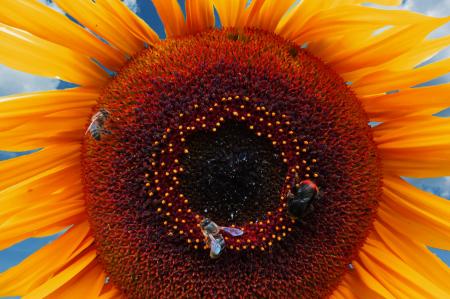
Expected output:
(220, 125)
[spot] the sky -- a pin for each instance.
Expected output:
(17, 82)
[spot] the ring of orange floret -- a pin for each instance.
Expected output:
(173, 206)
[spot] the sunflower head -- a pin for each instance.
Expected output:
(221, 125)
(226, 162)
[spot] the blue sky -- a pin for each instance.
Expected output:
(15, 82)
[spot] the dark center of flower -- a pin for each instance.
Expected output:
(221, 125)
(232, 176)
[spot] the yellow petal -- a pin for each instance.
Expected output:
(424, 217)
(385, 2)
(104, 23)
(16, 170)
(46, 23)
(407, 61)
(31, 54)
(317, 19)
(34, 120)
(415, 146)
(57, 129)
(268, 14)
(365, 284)
(199, 15)
(384, 81)
(414, 254)
(231, 12)
(172, 17)
(384, 47)
(130, 20)
(344, 292)
(413, 101)
(110, 292)
(293, 22)
(87, 284)
(44, 263)
(17, 109)
(41, 219)
(55, 186)
(398, 277)
(59, 280)
(359, 284)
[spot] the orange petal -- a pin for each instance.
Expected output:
(16, 170)
(385, 47)
(43, 219)
(199, 15)
(424, 217)
(44, 263)
(407, 61)
(172, 17)
(77, 269)
(365, 283)
(110, 292)
(134, 24)
(54, 130)
(415, 146)
(15, 110)
(26, 52)
(293, 22)
(353, 287)
(317, 19)
(398, 277)
(413, 101)
(266, 15)
(343, 292)
(35, 120)
(231, 12)
(87, 284)
(384, 81)
(415, 255)
(46, 23)
(104, 23)
(56, 186)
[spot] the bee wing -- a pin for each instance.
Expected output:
(93, 120)
(89, 128)
(235, 232)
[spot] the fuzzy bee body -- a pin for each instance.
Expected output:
(302, 198)
(96, 127)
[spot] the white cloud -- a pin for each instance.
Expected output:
(17, 82)
(132, 4)
(436, 8)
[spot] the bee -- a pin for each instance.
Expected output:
(301, 199)
(213, 237)
(97, 122)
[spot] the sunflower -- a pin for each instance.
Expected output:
(261, 125)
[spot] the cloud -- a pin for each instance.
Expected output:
(132, 4)
(436, 8)
(17, 82)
